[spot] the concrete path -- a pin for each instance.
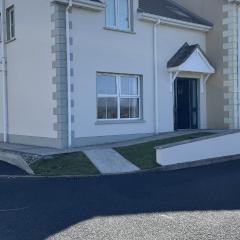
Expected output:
(109, 161)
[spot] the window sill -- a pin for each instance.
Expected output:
(104, 122)
(119, 30)
(11, 40)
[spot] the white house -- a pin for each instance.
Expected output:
(85, 72)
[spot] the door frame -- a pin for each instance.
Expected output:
(199, 103)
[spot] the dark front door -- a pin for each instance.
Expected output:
(186, 103)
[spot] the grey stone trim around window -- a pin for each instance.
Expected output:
(59, 65)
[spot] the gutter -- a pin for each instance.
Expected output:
(156, 74)
(4, 74)
(173, 22)
(68, 9)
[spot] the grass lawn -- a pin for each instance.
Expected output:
(144, 155)
(65, 164)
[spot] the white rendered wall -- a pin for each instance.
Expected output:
(96, 49)
(30, 88)
(225, 145)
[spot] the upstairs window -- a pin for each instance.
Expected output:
(118, 14)
(10, 19)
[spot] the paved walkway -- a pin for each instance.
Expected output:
(109, 161)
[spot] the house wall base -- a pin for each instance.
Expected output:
(35, 141)
(77, 142)
(88, 141)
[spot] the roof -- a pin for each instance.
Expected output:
(182, 55)
(200, 62)
(170, 9)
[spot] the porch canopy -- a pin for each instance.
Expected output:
(190, 59)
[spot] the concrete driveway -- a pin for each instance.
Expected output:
(7, 169)
(198, 203)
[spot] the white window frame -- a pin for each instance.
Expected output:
(119, 96)
(9, 11)
(117, 27)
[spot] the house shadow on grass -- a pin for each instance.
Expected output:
(36, 208)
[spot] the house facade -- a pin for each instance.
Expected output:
(83, 72)
(223, 49)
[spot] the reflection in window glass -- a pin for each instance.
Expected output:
(118, 14)
(107, 108)
(106, 84)
(111, 13)
(129, 108)
(118, 96)
(129, 86)
(123, 14)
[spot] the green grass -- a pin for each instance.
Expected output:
(65, 164)
(144, 155)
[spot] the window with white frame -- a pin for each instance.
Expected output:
(118, 97)
(10, 19)
(118, 14)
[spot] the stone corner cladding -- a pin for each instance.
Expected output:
(59, 65)
(230, 60)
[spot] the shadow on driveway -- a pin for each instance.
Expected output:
(36, 208)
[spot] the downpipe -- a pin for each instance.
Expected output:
(4, 74)
(156, 75)
(68, 9)
(238, 68)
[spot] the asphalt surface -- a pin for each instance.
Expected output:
(7, 169)
(198, 203)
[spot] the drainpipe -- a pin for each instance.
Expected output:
(4, 74)
(238, 70)
(68, 9)
(156, 75)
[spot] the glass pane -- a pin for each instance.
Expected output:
(129, 86)
(107, 108)
(123, 14)
(12, 24)
(102, 111)
(111, 13)
(8, 24)
(129, 108)
(106, 85)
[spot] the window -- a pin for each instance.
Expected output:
(118, 97)
(10, 19)
(118, 14)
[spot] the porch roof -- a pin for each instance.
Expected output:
(190, 58)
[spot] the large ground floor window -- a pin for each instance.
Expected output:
(118, 97)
